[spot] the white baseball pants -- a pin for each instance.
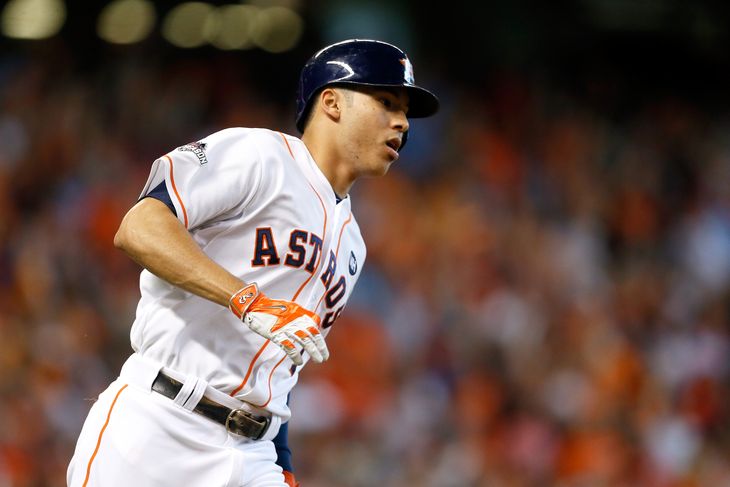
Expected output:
(136, 437)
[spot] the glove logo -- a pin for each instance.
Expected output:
(280, 307)
(245, 297)
(353, 263)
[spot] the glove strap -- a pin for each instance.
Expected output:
(242, 299)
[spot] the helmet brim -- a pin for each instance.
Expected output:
(421, 102)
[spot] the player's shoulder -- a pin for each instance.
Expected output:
(245, 135)
(233, 145)
(232, 135)
(221, 140)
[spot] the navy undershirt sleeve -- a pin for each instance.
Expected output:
(160, 193)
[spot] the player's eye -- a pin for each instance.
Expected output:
(386, 102)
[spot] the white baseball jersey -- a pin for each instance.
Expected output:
(257, 204)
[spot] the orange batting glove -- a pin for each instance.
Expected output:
(290, 480)
(283, 322)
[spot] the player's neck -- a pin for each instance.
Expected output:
(330, 163)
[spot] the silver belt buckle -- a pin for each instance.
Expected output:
(243, 423)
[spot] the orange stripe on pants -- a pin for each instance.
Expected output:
(101, 433)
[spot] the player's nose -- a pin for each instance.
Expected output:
(400, 121)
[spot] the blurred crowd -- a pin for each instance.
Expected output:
(546, 299)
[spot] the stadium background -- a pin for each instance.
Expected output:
(546, 297)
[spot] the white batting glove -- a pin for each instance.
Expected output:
(283, 322)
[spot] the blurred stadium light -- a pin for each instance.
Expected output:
(273, 26)
(184, 25)
(277, 29)
(33, 19)
(126, 21)
(681, 44)
(274, 29)
(230, 26)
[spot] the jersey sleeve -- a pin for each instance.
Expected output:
(160, 193)
(210, 179)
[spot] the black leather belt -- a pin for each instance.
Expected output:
(236, 421)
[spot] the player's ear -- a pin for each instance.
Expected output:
(330, 100)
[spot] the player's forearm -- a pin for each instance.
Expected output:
(154, 238)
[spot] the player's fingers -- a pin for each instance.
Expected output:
(319, 342)
(305, 339)
(288, 346)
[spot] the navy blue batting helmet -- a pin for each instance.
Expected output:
(362, 62)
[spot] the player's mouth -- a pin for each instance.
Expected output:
(393, 144)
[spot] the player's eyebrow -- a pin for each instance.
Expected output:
(395, 92)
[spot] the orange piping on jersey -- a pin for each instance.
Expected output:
(342, 230)
(324, 229)
(271, 375)
(250, 368)
(287, 145)
(321, 251)
(174, 188)
(101, 433)
(304, 284)
(337, 253)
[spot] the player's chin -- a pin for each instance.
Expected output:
(377, 165)
(382, 168)
(388, 158)
(376, 171)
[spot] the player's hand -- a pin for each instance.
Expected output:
(283, 322)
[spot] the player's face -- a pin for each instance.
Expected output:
(374, 123)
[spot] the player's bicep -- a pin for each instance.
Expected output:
(144, 224)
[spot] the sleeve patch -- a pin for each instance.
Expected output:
(198, 149)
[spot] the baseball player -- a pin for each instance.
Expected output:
(250, 251)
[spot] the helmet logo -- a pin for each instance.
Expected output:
(345, 66)
(407, 71)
